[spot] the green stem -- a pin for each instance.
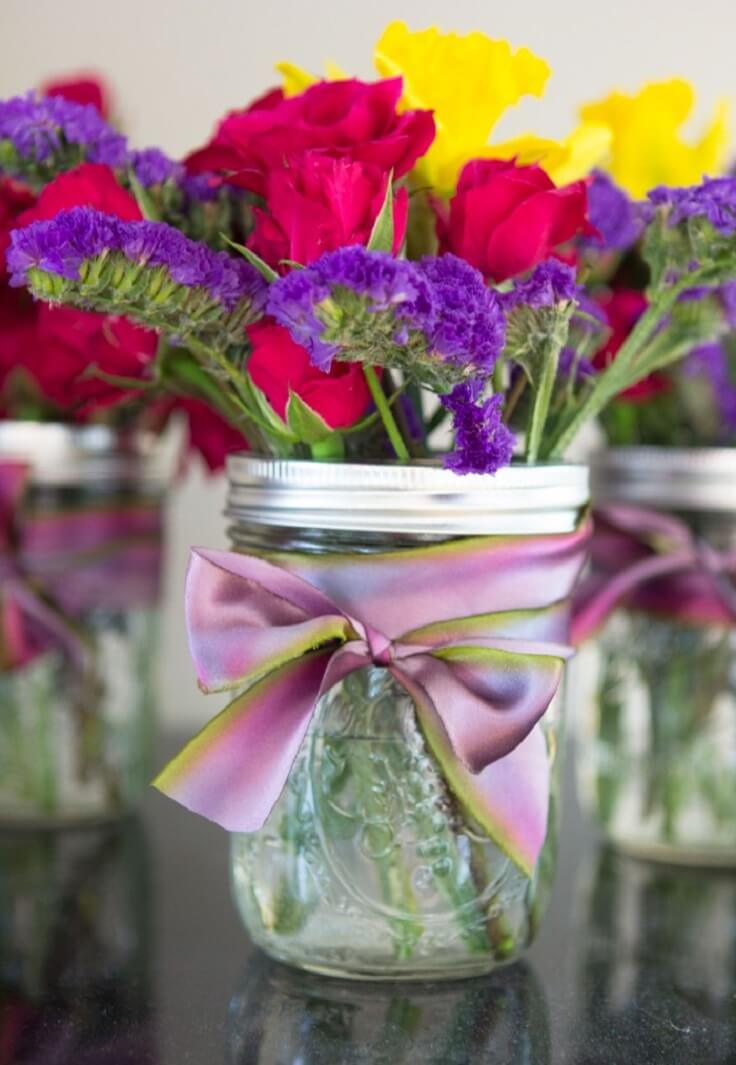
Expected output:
(542, 401)
(383, 408)
(619, 375)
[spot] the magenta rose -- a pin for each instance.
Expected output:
(504, 218)
(345, 119)
(318, 204)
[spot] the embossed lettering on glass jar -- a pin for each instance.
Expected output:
(654, 690)
(368, 865)
(80, 551)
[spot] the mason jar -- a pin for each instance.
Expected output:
(80, 560)
(655, 690)
(369, 866)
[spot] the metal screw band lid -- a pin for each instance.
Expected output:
(93, 454)
(673, 478)
(388, 497)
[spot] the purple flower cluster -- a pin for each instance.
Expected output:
(549, 283)
(62, 244)
(37, 127)
(152, 167)
(381, 281)
(443, 299)
(483, 444)
(714, 199)
(467, 324)
(713, 361)
(617, 218)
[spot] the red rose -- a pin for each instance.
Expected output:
(278, 364)
(14, 200)
(318, 204)
(81, 90)
(351, 119)
(209, 434)
(504, 218)
(623, 308)
(90, 185)
(68, 342)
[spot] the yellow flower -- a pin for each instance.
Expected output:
(296, 79)
(647, 148)
(469, 82)
(564, 161)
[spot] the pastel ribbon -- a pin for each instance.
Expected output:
(475, 631)
(57, 564)
(651, 561)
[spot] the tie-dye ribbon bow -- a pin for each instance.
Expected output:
(475, 631)
(651, 561)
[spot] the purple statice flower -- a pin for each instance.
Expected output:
(39, 126)
(571, 362)
(617, 218)
(483, 444)
(62, 244)
(202, 188)
(713, 361)
(153, 167)
(714, 199)
(384, 283)
(549, 283)
(467, 325)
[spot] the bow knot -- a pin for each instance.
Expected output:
(474, 631)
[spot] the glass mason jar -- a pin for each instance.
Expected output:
(79, 583)
(367, 866)
(655, 693)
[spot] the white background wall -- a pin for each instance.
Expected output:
(176, 65)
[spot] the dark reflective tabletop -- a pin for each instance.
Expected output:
(121, 946)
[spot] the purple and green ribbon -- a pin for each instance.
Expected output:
(652, 562)
(56, 564)
(474, 630)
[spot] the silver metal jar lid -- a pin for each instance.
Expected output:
(421, 498)
(672, 478)
(90, 454)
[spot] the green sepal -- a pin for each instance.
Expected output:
(382, 234)
(307, 426)
(272, 422)
(262, 267)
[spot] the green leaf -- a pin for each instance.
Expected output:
(382, 234)
(255, 260)
(144, 199)
(292, 263)
(307, 426)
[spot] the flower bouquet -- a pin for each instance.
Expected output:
(392, 320)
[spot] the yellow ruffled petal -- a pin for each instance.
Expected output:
(468, 81)
(647, 147)
(295, 79)
(565, 161)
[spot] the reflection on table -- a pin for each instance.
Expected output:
(74, 947)
(282, 1015)
(656, 974)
